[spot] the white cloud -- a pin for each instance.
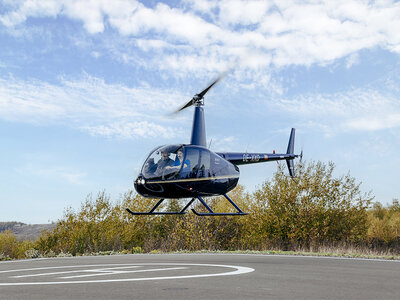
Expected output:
(127, 130)
(387, 121)
(151, 44)
(26, 9)
(95, 54)
(279, 33)
(353, 59)
(91, 104)
(199, 37)
(357, 109)
(90, 12)
(201, 6)
(59, 173)
(223, 143)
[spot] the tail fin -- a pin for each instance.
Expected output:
(290, 150)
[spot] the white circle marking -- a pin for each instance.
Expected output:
(238, 271)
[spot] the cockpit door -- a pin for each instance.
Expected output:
(205, 164)
(197, 163)
(191, 159)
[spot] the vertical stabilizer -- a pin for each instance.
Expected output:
(290, 150)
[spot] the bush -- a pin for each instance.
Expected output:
(10, 248)
(384, 227)
(313, 209)
(317, 210)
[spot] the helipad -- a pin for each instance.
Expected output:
(76, 274)
(199, 276)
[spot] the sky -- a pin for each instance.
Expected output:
(86, 88)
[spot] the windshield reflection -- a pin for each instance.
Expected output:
(164, 163)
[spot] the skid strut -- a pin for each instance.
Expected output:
(212, 213)
(183, 211)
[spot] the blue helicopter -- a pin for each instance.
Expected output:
(194, 171)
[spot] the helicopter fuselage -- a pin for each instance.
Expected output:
(185, 171)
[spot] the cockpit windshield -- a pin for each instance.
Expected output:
(185, 162)
(164, 162)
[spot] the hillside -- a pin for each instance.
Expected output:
(24, 231)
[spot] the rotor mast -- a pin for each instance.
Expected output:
(198, 127)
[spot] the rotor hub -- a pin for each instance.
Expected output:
(198, 100)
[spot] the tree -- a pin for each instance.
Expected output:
(313, 209)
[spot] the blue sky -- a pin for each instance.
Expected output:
(85, 87)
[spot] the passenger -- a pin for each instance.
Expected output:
(164, 162)
(179, 162)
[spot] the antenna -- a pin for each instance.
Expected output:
(247, 147)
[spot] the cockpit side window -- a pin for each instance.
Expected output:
(220, 166)
(204, 170)
(192, 163)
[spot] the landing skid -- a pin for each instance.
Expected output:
(183, 211)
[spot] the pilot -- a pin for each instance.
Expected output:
(164, 162)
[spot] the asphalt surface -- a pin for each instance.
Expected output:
(199, 276)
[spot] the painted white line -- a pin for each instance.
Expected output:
(78, 271)
(238, 270)
(61, 267)
(123, 272)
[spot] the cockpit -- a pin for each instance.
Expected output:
(184, 161)
(164, 162)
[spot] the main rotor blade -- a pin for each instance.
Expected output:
(200, 95)
(190, 103)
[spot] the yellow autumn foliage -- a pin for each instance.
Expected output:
(315, 210)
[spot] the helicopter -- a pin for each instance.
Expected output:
(193, 171)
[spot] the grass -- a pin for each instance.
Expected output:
(331, 253)
(299, 253)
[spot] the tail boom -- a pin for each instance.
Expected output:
(244, 158)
